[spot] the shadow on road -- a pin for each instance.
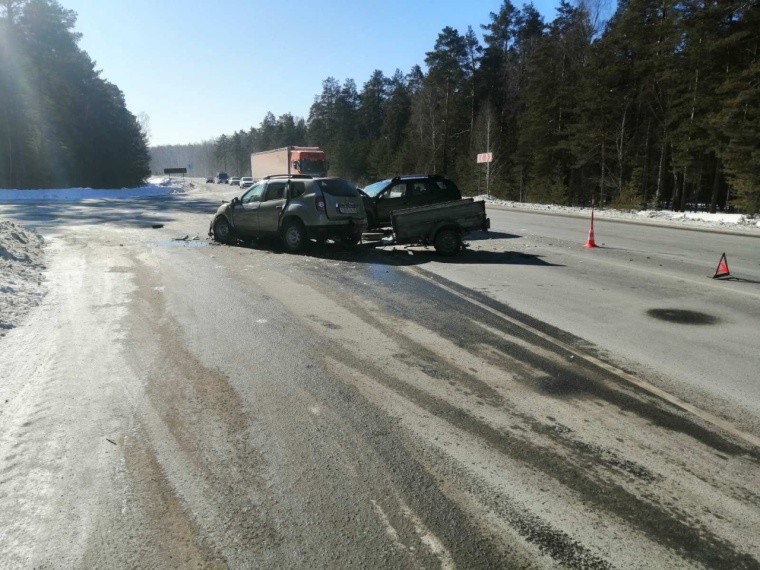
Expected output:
(482, 236)
(737, 279)
(400, 256)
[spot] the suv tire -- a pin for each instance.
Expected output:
(222, 231)
(294, 236)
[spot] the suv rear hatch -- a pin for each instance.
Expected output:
(342, 200)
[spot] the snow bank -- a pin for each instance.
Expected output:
(21, 267)
(690, 219)
(156, 186)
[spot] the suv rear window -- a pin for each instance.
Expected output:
(338, 187)
(448, 185)
(297, 188)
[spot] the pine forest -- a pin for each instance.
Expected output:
(657, 107)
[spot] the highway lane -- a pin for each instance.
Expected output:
(617, 297)
(336, 409)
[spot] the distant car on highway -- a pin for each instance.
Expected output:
(234, 181)
(209, 179)
(401, 192)
(222, 178)
(246, 182)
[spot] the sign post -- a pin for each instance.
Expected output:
(181, 171)
(487, 157)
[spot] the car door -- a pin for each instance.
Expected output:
(271, 206)
(246, 213)
(392, 198)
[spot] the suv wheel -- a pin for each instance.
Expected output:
(447, 242)
(222, 230)
(294, 235)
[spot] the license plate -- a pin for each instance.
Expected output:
(348, 210)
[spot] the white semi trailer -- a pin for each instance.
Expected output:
(289, 160)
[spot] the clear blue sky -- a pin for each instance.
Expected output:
(199, 69)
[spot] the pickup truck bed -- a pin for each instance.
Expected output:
(442, 225)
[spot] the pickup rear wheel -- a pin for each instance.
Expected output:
(222, 231)
(447, 242)
(294, 235)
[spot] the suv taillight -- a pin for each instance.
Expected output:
(319, 201)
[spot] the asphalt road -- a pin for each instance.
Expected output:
(173, 403)
(646, 297)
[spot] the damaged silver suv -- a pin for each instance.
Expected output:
(296, 208)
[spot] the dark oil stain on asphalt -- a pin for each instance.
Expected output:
(583, 380)
(560, 385)
(682, 316)
(325, 323)
(468, 547)
(455, 319)
(411, 298)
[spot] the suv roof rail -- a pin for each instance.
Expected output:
(411, 176)
(287, 176)
(407, 176)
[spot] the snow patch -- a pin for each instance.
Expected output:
(156, 186)
(739, 222)
(21, 268)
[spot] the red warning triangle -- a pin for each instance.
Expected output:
(722, 270)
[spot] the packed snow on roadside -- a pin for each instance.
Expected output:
(21, 272)
(21, 249)
(155, 186)
(739, 222)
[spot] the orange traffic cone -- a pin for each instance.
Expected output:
(722, 270)
(591, 242)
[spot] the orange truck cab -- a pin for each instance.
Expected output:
(309, 160)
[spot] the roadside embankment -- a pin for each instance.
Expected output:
(21, 272)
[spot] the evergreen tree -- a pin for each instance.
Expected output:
(64, 124)
(551, 101)
(398, 110)
(738, 119)
(322, 116)
(447, 76)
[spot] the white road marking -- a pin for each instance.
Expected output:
(430, 540)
